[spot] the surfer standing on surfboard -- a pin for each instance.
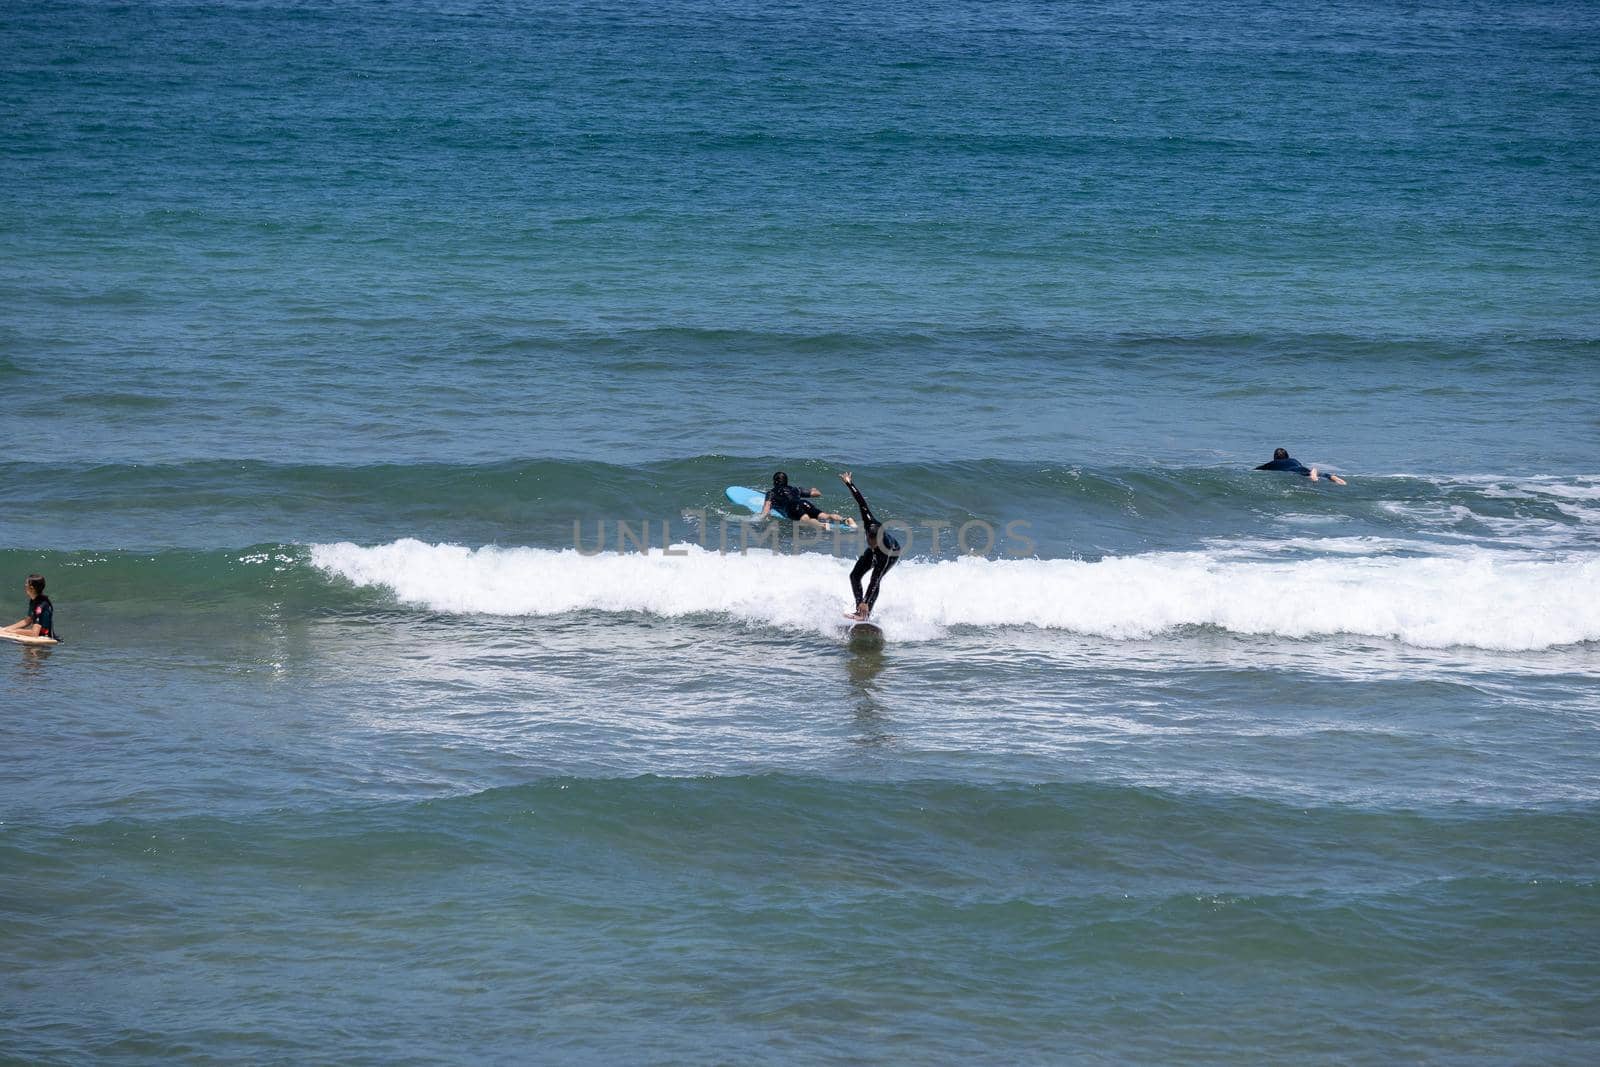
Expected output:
(795, 504)
(41, 613)
(882, 552)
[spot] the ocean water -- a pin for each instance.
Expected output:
(373, 372)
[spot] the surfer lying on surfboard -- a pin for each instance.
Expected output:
(882, 552)
(41, 618)
(1282, 461)
(793, 504)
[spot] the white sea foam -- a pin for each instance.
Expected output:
(1475, 598)
(1258, 548)
(1577, 497)
(1547, 514)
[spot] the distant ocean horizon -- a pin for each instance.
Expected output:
(343, 342)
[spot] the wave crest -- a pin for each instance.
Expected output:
(1475, 598)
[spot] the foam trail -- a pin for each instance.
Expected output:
(1476, 598)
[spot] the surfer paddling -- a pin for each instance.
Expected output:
(795, 504)
(882, 552)
(41, 618)
(1282, 461)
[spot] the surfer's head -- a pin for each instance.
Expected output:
(35, 585)
(780, 480)
(1280, 453)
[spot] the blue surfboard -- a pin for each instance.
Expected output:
(747, 498)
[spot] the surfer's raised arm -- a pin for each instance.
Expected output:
(867, 521)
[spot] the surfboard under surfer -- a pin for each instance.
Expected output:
(881, 554)
(795, 504)
(1282, 461)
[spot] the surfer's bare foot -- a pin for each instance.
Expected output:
(1336, 480)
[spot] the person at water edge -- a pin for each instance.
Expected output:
(882, 552)
(41, 618)
(1282, 461)
(794, 504)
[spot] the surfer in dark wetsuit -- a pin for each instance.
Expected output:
(882, 552)
(1282, 461)
(795, 504)
(41, 620)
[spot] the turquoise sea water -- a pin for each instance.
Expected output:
(335, 338)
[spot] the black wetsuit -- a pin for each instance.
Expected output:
(791, 503)
(882, 552)
(43, 614)
(1293, 466)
